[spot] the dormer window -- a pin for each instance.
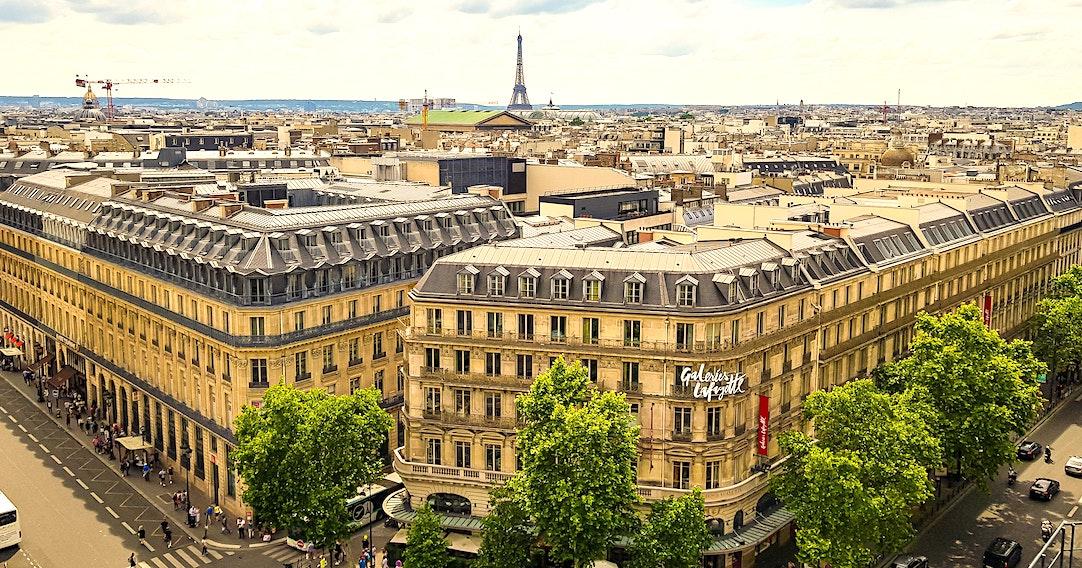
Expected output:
(527, 283)
(685, 291)
(383, 231)
(465, 280)
(561, 285)
(633, 288)
(591, 287)
(773, 273)
(497, 281)
(751, 278)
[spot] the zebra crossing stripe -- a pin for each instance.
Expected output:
(183, 556)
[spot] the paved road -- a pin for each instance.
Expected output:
(959, 537)
(75, 509)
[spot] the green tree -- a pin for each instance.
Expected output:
(1068, 284)
(686, 116)
(425, 545)
(853, 489)
(981, 388)
(1058, 322)
(304, 452)
(578, 450)
(674, 534)
(577, 121)
(507, 538)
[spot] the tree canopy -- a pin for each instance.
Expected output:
(507, 538)
(674, 534)
(981, 389)
(425, 545)
(303, 453)
(852, 491)
(579, 453)
(1058, 321)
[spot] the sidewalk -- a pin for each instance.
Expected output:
(160, 497)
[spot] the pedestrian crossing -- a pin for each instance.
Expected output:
(188, 557)
(285, 554)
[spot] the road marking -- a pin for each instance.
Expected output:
(176, 562)
(43, 448)
(55, 459)
(1073, 511)
(214, 554)
(112, 512)
(158, 563)
(12, 418)
(127, 526)
(4, 410)
(191, 562)
(23, 428)
(147, 545)
(1079, 398)
(68, 471)
(143, 565)
(81, 484)
(96, 498)
(34, 438)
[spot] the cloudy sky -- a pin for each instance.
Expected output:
(939, 52)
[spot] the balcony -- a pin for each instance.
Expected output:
(392, 401)
(473, 420)
(416, 470)
(766, 374)
(631, 386)
(681, 436)
(378, 356)
(449, 376)
(740, 429)
(303, 376)
(589, 343)
(355, 362)
(805, 359)
(254, 385)
(330, 369)
(715, 436)
(786, 366)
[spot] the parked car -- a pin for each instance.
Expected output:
(1029, 450)
(1044, 489)
(1002, 553)
(910, 562)
(1073, 467)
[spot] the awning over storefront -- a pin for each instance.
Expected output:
(40, 363)
(61, 377)
(11, 351)
(463, 543)
(396, 507)
(753, 534)
(134, 443)
(401, 537)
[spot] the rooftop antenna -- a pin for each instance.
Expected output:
(898, 107)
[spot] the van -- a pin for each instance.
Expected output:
(1002, 553)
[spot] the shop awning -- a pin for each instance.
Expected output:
(463, 543)
(40, 363)
(11, 351)
(61, 377)
(134, 443)
(400, 537)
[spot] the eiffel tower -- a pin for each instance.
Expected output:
(519, 100)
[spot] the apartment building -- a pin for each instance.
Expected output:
(172, 312)
(716, 337)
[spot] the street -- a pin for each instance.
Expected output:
(959, 536)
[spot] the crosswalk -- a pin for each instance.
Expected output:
(285, 555)
(188, 557)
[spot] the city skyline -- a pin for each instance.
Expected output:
(939, 52)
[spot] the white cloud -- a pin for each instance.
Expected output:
(587, 51)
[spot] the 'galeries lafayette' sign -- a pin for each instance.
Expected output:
(713, 384)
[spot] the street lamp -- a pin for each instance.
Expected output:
(186, 459)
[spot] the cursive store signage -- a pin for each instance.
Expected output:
(713, 384)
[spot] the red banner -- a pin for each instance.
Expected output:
(764, 426)
(988, 310)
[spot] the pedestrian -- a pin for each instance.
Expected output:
(67, 419)
(225, 524)
(49, 405)
(176, 500)
(131, 560)
(386, 562)
(169, 474)
(142, 534)
(146, 472)
(364, 542)
(169, 539)
(204, 542)
(161, 477)
(210, 513)
(240, 528)
(79, 423)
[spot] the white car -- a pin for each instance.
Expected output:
(1073, 467)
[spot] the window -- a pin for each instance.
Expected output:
(527, 287)
(432, 358)
(354, 384)
(432, 399)
(355, 351)
(492, 364)
(495, 284)
(462, 454)
(524, 366)
(685, 295)
(493, 457)
(591, 330)
(464, 320)
(525, 326)
(493, 404)
(298, 321)
(377, 346)
(760, 323)
(591, 290)
(633, 292)
(300, 364)
(329, 365)
(558, 327)
(681, 424)
(259, 371)
(685, 336)
(462, 402)
(561, 288)
(591, 368)
(326, 315)
(465, 283)
(494, 324)
(713, 421)
(434, 319)
(713, 474)
(434, 451)
(681, 474)
(256, 325)
(631, 376)
(462, 361)
(632, 333)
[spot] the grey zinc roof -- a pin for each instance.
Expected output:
(588, 236)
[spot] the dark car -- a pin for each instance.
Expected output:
(1002, 553)
(1044, 489)
(910, 562)
(1029, 450)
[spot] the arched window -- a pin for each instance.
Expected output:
(449, 503)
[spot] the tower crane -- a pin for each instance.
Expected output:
(109, 84)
